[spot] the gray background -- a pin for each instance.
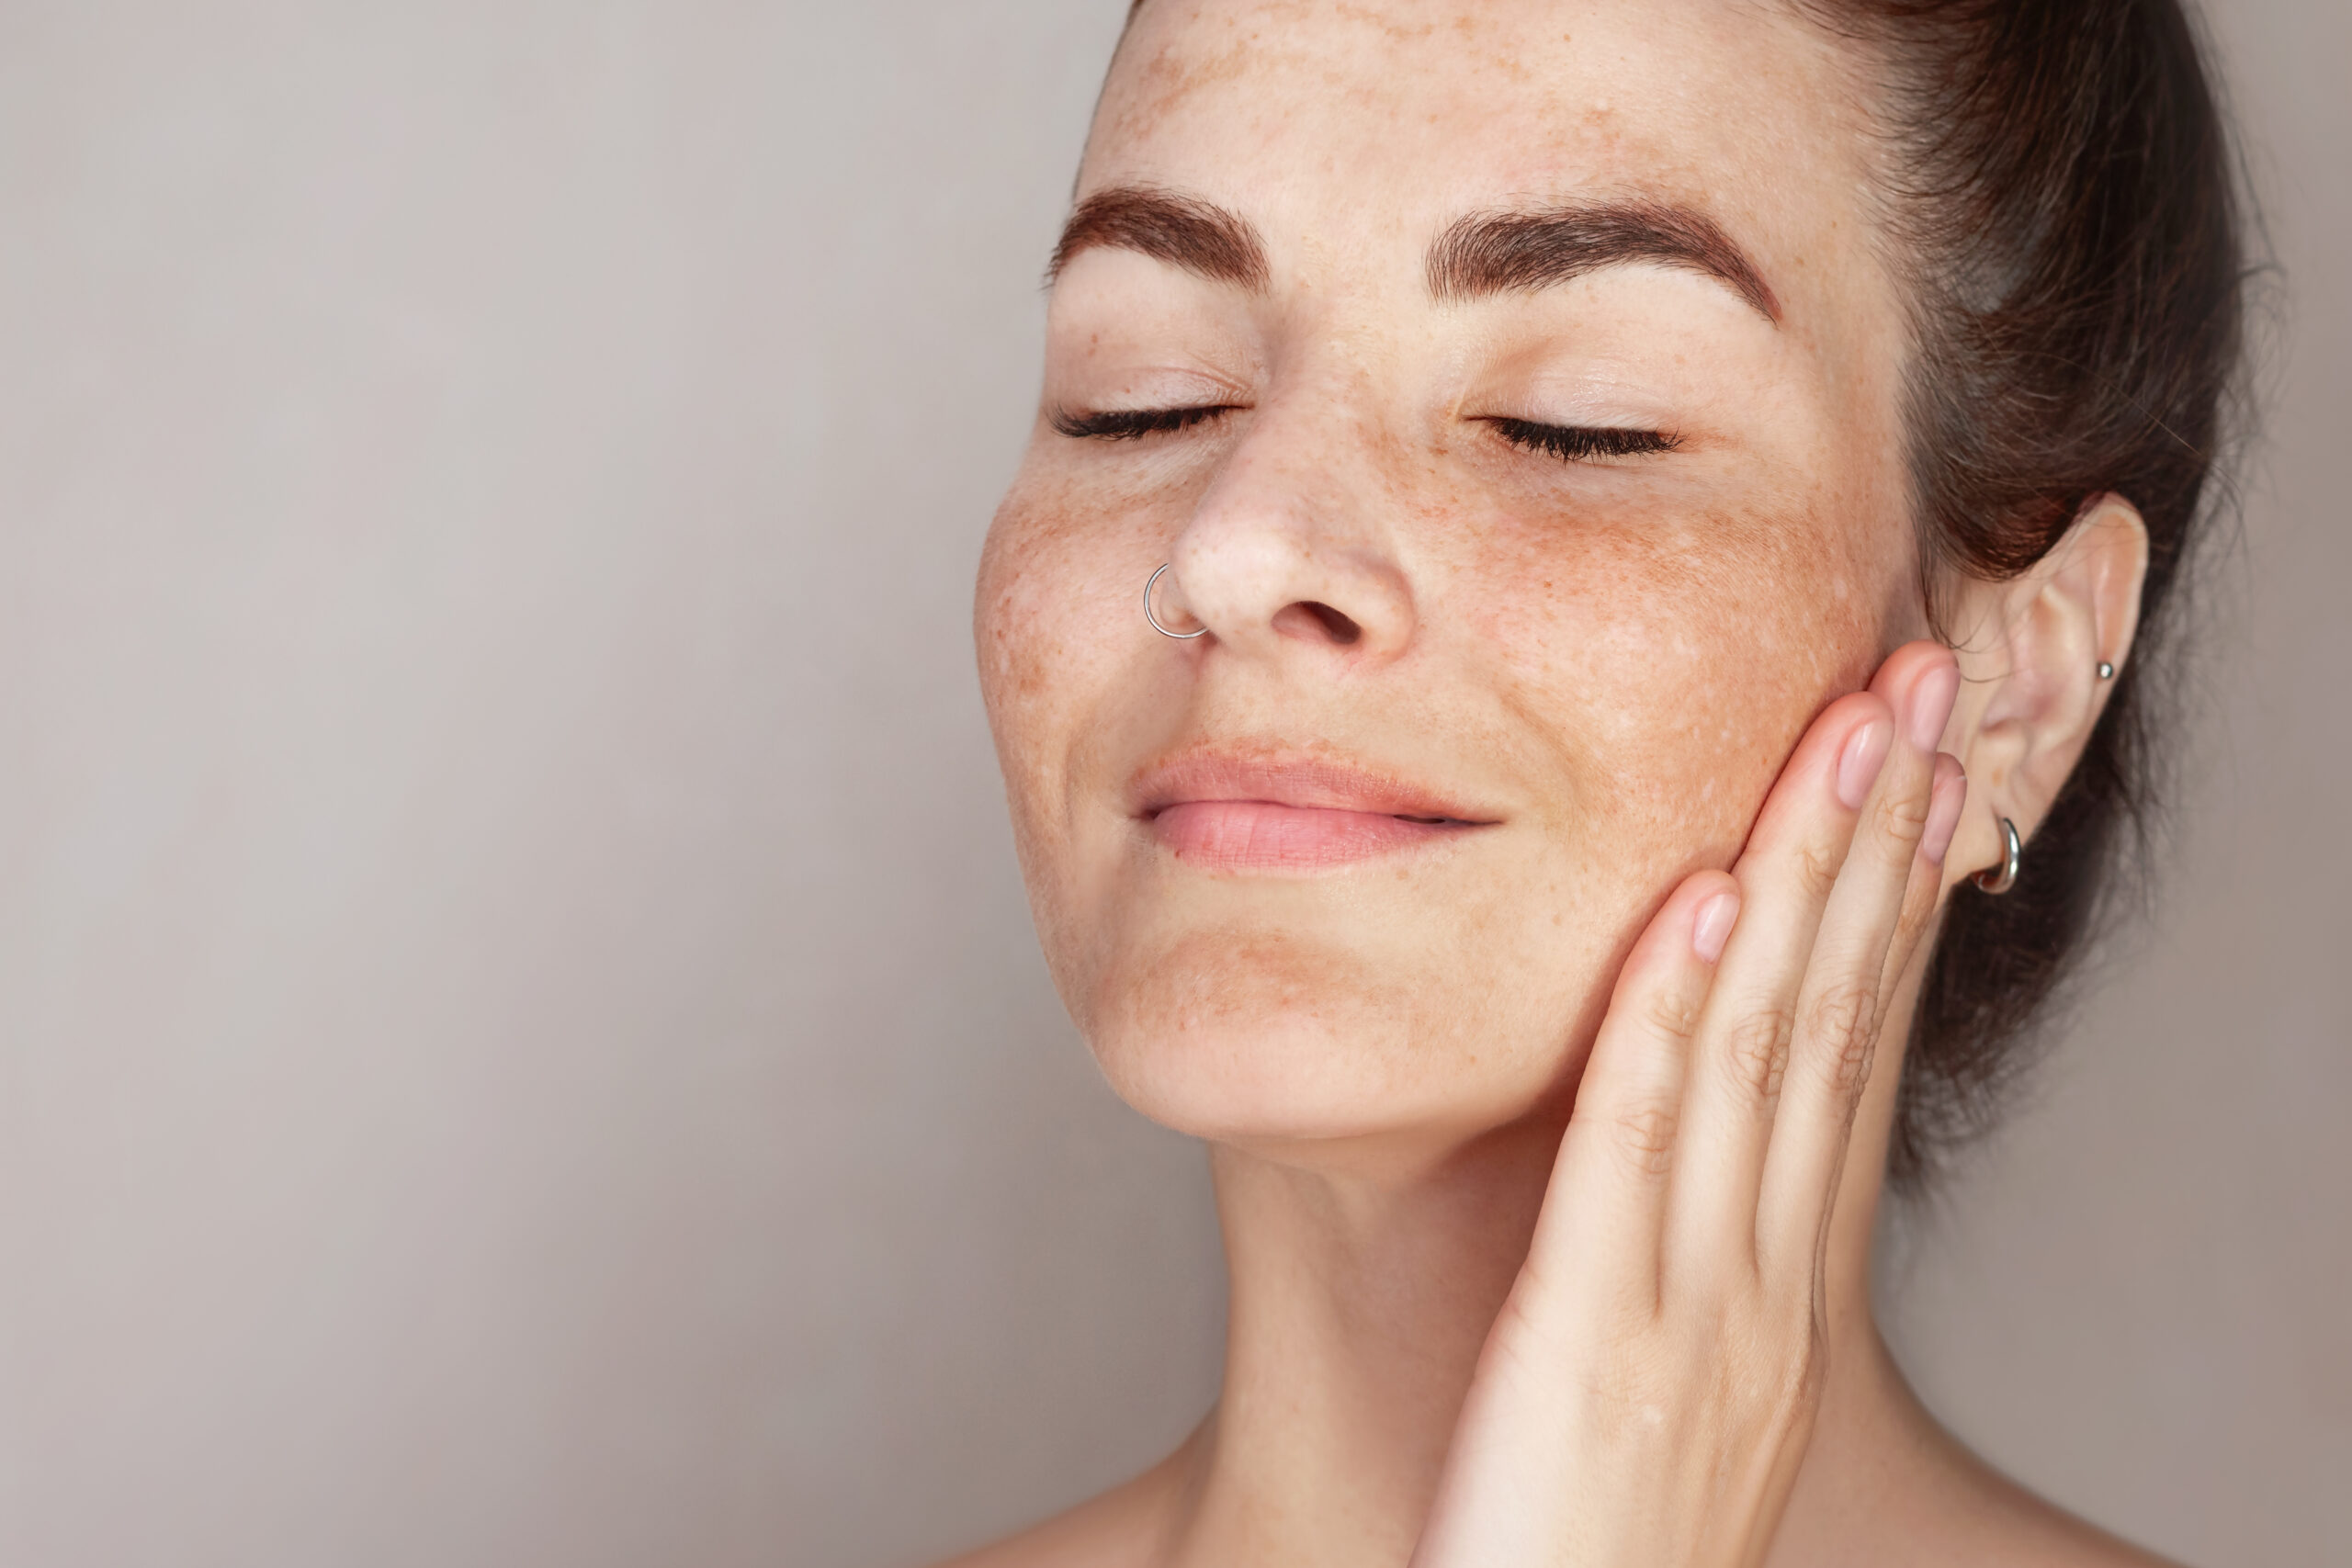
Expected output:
(520, 1041)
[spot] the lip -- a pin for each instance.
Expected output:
(1293, 814)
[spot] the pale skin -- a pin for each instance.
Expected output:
(1547, 1139)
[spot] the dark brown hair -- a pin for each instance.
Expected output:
(2064, 205)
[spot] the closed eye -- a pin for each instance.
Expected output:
(1578, 443)
(1130, 424)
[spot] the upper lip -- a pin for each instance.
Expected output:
(1304, 781)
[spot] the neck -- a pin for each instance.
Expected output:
(1362, 1290)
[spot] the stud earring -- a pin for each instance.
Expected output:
(2106, 671)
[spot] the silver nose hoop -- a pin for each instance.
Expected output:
(1153, 581)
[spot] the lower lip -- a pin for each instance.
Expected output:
(1258, 835)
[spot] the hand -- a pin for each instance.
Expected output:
(1645, 1395)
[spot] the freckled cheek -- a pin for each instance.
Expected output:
(1053, 585)
(1677, 663)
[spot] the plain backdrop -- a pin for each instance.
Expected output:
(520, 1037)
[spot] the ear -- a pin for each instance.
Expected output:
(2030, 654)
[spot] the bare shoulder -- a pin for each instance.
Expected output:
(1999, 1520)
(1127, 1527)
(1902, 1492)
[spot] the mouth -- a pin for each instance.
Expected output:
(1293, 814)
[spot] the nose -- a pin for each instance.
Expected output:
(1286, 557)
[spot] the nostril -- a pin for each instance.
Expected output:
(1341, 629)
(1309, 619)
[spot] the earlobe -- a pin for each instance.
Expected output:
(2044, 652)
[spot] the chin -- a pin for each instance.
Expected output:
(1269, 1037)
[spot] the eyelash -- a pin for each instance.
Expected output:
(1576, 443)
(1132, 425)
(1569, 443)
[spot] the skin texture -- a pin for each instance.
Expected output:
(1607, 664)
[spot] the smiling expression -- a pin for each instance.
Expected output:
(1514, 393)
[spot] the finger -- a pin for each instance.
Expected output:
(1739, 1051)
(1925, 892)
(1601, 1217)
(1839, 1002)
(1920, 900)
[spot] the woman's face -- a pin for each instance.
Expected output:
(1475, 692)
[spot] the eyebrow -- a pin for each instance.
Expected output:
(1201, 237)
(1482, 254)
(1499, 253)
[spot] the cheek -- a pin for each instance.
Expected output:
(1674, 660)
(1059, 598)
(1018, 638)
(1058, 614)
(1057, 623)
(1036, 580)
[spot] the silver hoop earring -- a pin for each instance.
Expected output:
(2012, 855)
(1163, 631)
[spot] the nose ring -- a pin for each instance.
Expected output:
(1163, 631)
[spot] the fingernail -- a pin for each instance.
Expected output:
(1712, 928)
(1931, 701)
(1858, 768)
(1943, 809)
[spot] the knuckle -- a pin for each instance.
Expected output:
(1757, 1047)
(1838, 1022)
(1645, 1137)
(1903, 815)
(1850, 1068)
(1673, 1013)
(1817, 867)
(1845, 1061)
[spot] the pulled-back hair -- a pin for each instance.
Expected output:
(2063, 205)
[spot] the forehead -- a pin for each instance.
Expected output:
(1363, 122)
